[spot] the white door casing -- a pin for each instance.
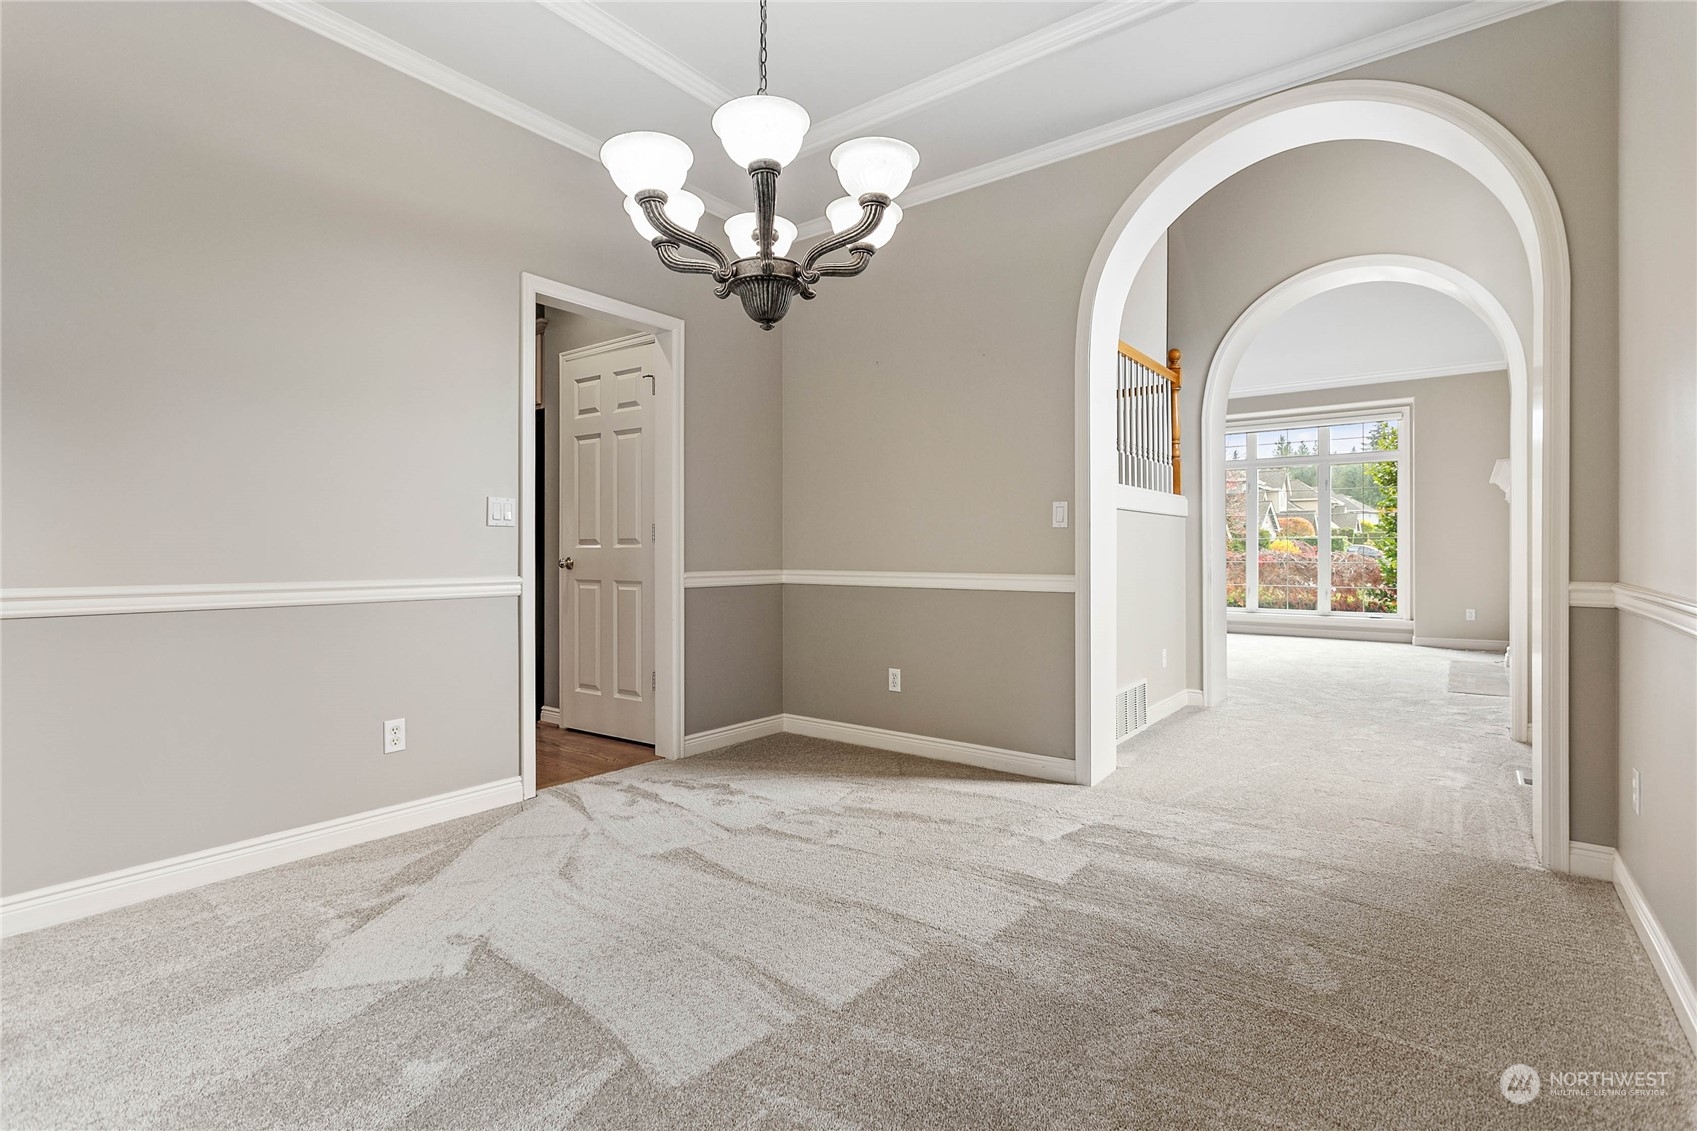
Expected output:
(606, 565)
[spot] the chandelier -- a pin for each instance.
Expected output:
(761, 133)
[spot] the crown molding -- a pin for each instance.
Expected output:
(1058, 36)
(354, 35)
(639, 49)
(1384, 377)
(1430, 29)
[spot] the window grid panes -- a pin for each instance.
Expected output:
(1281, 555)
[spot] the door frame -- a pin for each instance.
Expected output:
(668, 509)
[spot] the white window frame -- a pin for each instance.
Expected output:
(1321, 418)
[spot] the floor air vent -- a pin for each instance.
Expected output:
(1131, 710)
(1524, 777)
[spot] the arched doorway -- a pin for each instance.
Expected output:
(1357, 110)
(1216, 391)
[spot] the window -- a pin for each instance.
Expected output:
(1311, 513)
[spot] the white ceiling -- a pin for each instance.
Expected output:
(1366, 333)
(984, 90)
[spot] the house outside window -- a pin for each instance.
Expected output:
(1283, 473)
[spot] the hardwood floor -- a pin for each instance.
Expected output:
(568, 755)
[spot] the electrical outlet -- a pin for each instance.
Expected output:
(895, 679)
(1636, 793)
(1058, 515)
(394, 736)
(1163, 657)
(1472, 614)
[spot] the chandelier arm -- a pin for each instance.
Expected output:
(862, 258)
(872, 207)
(652, 202)
(669, 256)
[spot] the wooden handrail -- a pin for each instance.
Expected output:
(1175, 361)
(1150, 363)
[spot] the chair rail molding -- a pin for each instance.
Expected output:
(108, 600)
(1670, 609)
(880, 579)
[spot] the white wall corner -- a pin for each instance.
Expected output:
(1676, 980)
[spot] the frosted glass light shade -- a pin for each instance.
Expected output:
(682, 208)
(739, 229)
(874, 164)
(761, 127)
(645, 160)
(845, 212)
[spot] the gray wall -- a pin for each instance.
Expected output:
(1658, 459)
(734, 638)
(927, 427)
(1460, 520)
(1151, 570)
(261, 324)
(987, 668)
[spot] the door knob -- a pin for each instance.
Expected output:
(567, 563)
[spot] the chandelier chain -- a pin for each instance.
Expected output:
(762, 89)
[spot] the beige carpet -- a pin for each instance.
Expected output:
(1315, 907)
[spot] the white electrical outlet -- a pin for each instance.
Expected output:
(394, 736)
(1472, 615)
(1636, 794)
(895, 679)
(1058, 515)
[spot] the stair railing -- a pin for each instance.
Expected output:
(1147, 433)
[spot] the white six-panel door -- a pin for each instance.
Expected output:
(606, 565)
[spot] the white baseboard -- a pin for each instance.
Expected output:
(1335, 628)
(942, 749)
(1462, 643)
(704, 740)
(1675, 979)
(549, 715)
(61, 903)
(1173, 704)
(1593, 861)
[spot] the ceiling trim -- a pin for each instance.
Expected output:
(1058, 36)
(639, 49)
(374, 45)
(1430, 29)
(1422, 373)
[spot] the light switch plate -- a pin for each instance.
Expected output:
(1058, 515)
(503, 511)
